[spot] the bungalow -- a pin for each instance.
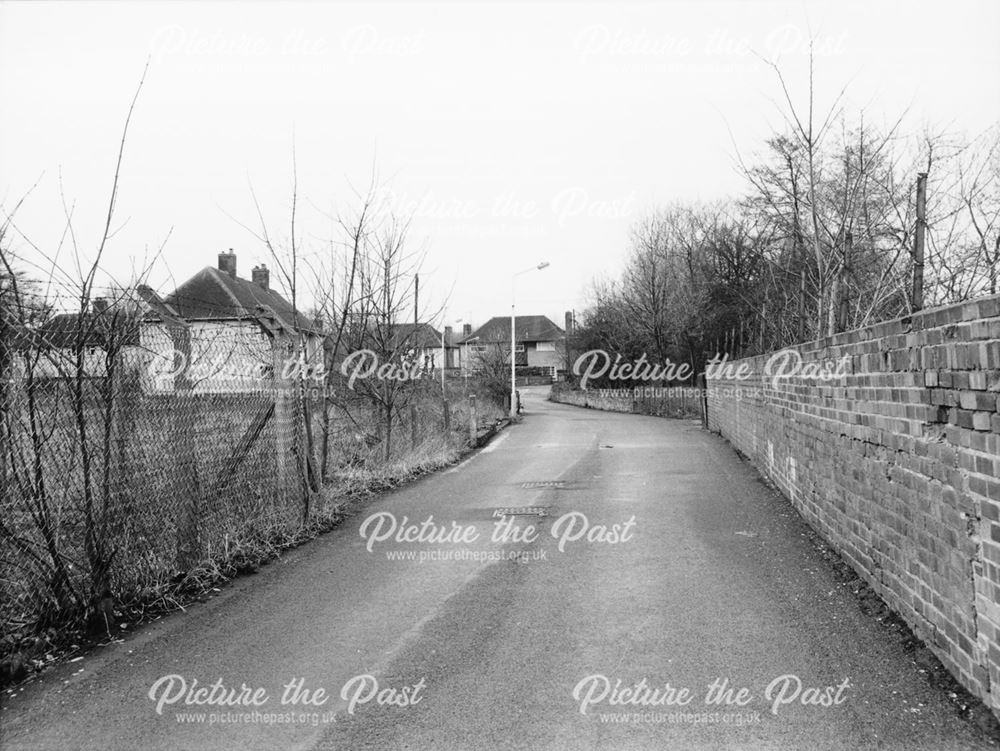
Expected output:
(538, 342)
(103, 328)
(233, 325)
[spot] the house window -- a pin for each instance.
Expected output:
(546, 346)
(519, 348)
(479, 349)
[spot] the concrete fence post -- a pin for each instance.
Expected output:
(286, 475)
(125, 392)
(183, 430)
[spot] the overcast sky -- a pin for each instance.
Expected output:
(514, 133)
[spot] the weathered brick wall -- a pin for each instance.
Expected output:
(896, 464)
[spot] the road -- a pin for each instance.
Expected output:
(690, 573)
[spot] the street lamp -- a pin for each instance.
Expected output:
(513, 376)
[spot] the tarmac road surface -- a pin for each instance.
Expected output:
(687, 608)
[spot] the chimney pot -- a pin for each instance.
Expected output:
(227, 263)
(466, 329)
(261, 276)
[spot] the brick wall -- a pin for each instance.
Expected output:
(895, 460)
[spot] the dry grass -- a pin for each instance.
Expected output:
(241, 532)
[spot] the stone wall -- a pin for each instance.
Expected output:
(670, 401)
(891, 451)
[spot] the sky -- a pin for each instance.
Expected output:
(511, 133)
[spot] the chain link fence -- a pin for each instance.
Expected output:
(130, 477)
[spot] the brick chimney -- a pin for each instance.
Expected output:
(447, 334)
(261, 276)
(466, 329)
(227, 263)
(570, 322)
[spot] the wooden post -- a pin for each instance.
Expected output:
(413, 426)
(703, 385)
(918, 242)
(473, 421)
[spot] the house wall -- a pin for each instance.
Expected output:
(466, 357)
(896, 462)
(61, 363)
(469, 358)
(429, 357)
(545, 358)
(226, 356)
(531, 356)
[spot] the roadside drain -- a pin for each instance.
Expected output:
(543, 484)
(521, 511)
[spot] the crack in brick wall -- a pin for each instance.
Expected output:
(896, 464)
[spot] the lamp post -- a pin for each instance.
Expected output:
(513, 372)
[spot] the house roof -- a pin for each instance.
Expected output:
(61, 331)
(214, 295)
(415, 335)
(526, 329)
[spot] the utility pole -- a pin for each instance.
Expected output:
(918, 242)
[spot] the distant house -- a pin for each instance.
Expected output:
(423, 343)
(101, 329)
(538, 342)
(418, 343)
(233, 324)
